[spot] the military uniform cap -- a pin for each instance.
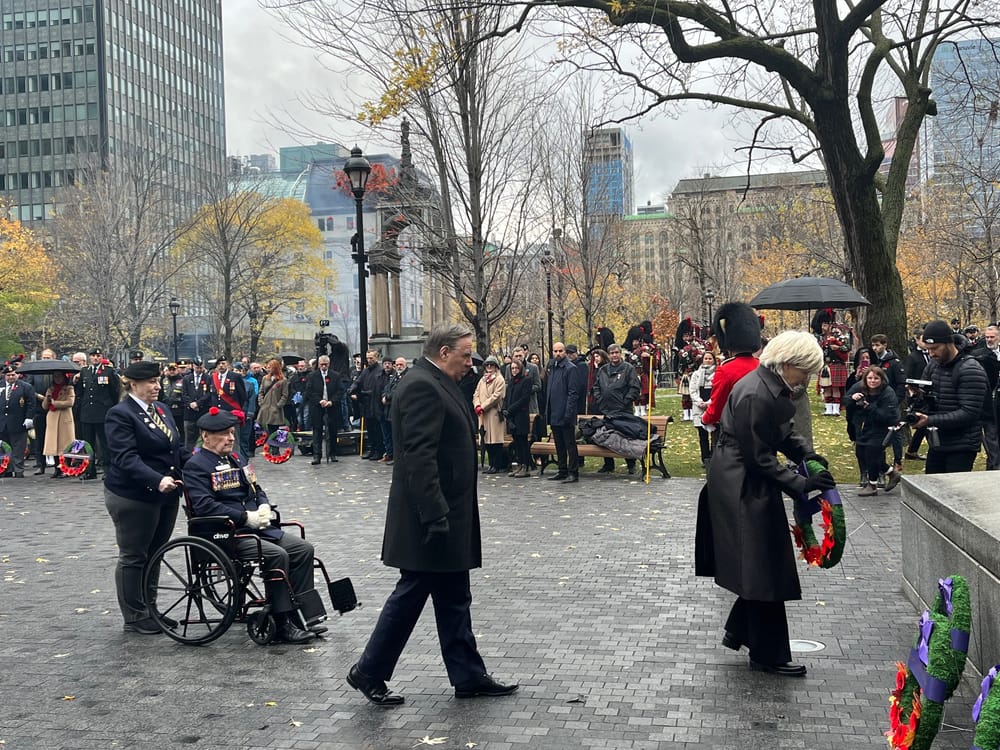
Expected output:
(142, 371)
(217, 420)
(95, 350)
(136, 354)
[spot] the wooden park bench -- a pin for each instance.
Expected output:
(546, 449)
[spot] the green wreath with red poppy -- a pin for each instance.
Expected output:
(824, 553)
(75, 458)
(279, 446)
(933, 670)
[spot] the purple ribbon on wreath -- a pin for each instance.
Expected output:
(76, 446)
(984, 692)
(281, 436)
(946, 587)
(935, 689)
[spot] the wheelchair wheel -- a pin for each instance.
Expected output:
(261, 627)
(194, 589)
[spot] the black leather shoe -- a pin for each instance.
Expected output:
(731, 641)
(332, 459)
(373, 689)
(146, 626)
(40, 471)
(318, 629)
(169, 622)
(492, 470)
(606, 470)
(558, 477)
(485, 686)
(788, 669)
(574, 477)
(288, 632)
(18, 475)
(316, 461)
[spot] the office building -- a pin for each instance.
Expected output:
(85, 81)
(608, 160)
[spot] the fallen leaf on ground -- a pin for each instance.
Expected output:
(428, 740)
(40, 560)
(271, 703)
(69, 697)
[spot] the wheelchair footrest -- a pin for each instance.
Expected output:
(342, 595)
(311, 607)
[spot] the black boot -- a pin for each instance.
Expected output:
(317, 457)
(574, 476)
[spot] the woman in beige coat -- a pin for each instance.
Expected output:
(60, 430)
(488, 402)
(273, 397)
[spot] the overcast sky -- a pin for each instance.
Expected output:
(267, 75)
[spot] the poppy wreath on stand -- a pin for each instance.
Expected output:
(5, 454)
(259, 435)
(827, 552)
(933, 670)
(279, 446)
(75, 458)
(986, 714)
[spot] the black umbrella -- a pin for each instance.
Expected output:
(290, 358)
(808, 293)
(48, 366)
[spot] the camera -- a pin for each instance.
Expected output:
(919, 399)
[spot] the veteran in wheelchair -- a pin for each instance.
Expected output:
(216, 485)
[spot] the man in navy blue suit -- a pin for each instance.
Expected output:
(432, 524)
(219, 484)
(17, 405)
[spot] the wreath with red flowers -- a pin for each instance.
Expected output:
(986, 714)
(5, 454)
(933, 670)
(279, 446)
(75, 458)
(259, 435)
(825, 553)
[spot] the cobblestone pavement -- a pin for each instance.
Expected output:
(587, 599)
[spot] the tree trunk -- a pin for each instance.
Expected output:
(870, 258)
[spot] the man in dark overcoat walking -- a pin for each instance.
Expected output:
(432, 524)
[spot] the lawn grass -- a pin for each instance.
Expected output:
(683, 458)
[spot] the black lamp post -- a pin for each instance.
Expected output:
(709, 299)
(175, 308)
(547, 262)
(357, 169)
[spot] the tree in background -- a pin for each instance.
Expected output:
(808, 74)
(472, 108)
(29, 282)
(112, 232)
(248, 255)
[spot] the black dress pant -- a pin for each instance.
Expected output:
(38, 444)
(452, 599)
(762, 627)
(325, 420)
(93, 433)
(290, 554)
(567, 458)
(141, 528)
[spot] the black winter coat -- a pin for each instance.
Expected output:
(564, 385)
(615, 388)
(434, 475)
(516, 404)
(961, 393)
(873, 416)
(742, 537)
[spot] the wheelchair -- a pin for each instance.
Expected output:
(198, 587)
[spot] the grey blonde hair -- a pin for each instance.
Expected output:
(444, 334)
(795, 348)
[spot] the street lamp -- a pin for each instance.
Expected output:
(709, 299)
(175, 307)
(357, 169)
(547, 261)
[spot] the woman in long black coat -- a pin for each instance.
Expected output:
(742, 537)
(516, 404)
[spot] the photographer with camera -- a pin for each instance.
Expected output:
(960, 390)
(872, 408)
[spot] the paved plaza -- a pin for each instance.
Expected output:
(587, 599)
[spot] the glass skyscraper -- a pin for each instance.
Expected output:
(84, 82)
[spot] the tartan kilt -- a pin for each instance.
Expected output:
(838, 374)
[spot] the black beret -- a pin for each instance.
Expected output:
(142, 371)
(95, 350)
(217, 420)
(197, 361)
(136, 354)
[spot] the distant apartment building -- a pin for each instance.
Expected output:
(84, 80)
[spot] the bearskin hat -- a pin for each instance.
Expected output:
(684, 328)
(605, 337)
(822, 316)
(737, 328)
(340, 357)
(632, 338)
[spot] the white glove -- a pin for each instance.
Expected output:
(252, 519)
(28, 424)
(264, 511)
